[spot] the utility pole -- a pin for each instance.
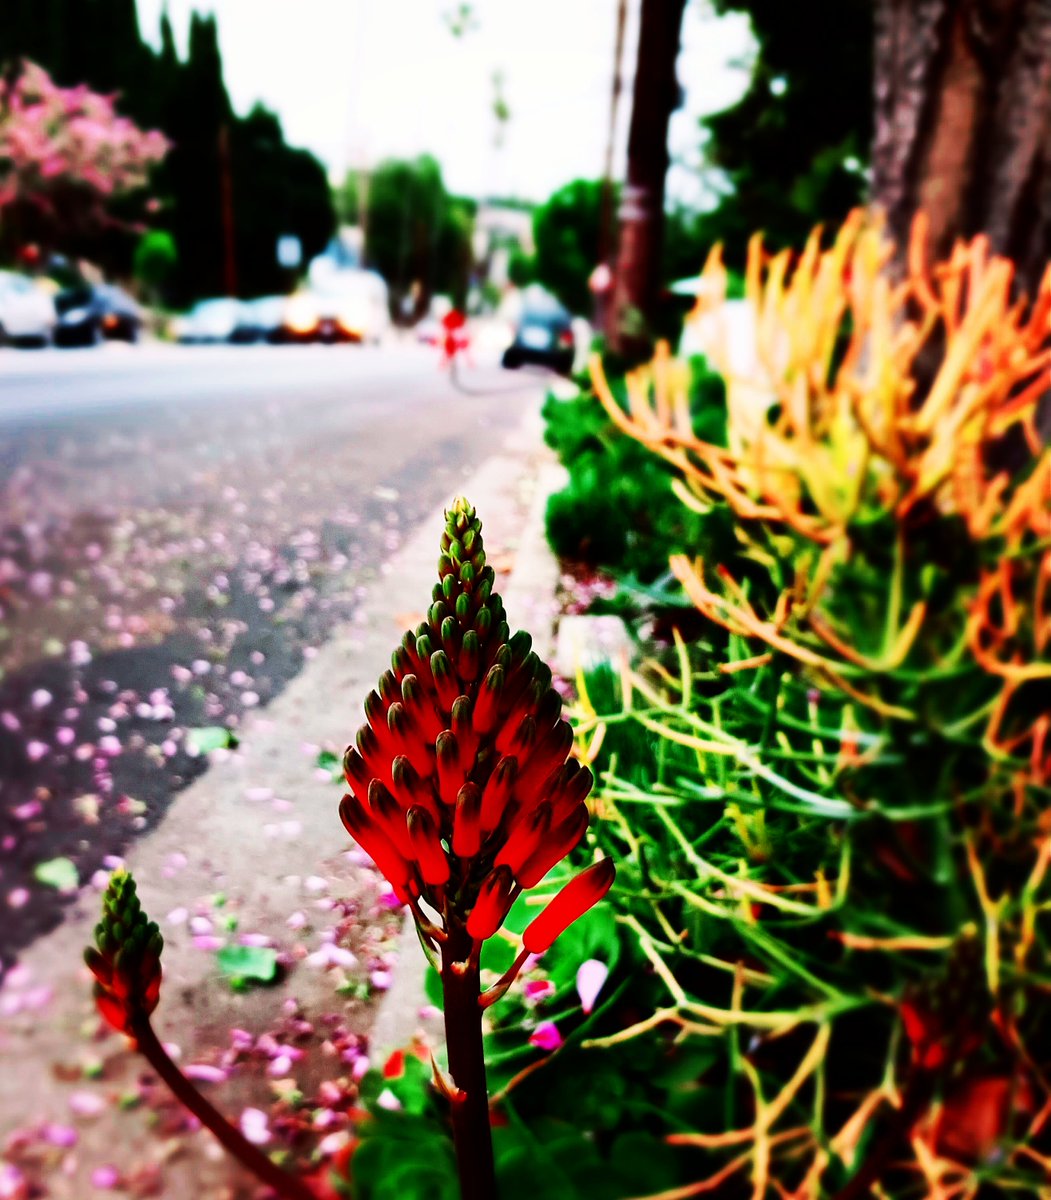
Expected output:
(226, 189)
(637, 278)
(602, 277)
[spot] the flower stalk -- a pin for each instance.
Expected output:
(126, 963)
(463, 793)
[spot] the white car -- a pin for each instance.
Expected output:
(208, 321)
(351, 305)
(27, 312)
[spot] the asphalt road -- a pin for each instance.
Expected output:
(179, 529)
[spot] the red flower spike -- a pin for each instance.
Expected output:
(580, 894)
(427, 847)
(126, 957)
(463, 760)
(492, 905)
(467, 823)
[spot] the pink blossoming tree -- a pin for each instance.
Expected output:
(65, 154)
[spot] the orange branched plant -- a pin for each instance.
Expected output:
(871, 705)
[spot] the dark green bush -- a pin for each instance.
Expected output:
(618, 511)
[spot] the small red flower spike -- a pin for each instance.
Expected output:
(126, 957)
(580, 894)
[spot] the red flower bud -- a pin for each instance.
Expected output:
(427, 847)
(450, 772)
(497, 795)
(525, 838)
(494, 901)
(580, 894)
(375, 843)
(555, 846)
(467, 822)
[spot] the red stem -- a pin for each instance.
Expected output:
(232, 1139)
(472, 1133)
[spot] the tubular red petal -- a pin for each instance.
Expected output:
(357, 821)
(549, 753)
(494, 900)
(450, 773)
(463, 728)
(356, 773)
(467, 821)
(420, 709)
(407, 739)
(497, 795)
(525, 838)
(555, 846)
(427, 847)
(389, 816)
(445, 682)
(580, 894)
(486, 708)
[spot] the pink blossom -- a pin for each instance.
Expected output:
(255, 1126)
(591, 975)
(539, 989)
(105, 1178)
(546, 1036)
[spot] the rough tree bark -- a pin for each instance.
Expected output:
(963, 123)
(656, 95)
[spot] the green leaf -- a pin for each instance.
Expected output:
(211, 737)
(59, 873)
(248, 964)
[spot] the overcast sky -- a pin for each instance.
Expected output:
(357, 80)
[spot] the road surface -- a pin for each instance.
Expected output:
(179, 529)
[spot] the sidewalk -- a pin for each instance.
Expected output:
(254, 852)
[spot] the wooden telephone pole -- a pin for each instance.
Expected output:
(637, 277)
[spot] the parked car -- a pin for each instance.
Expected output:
(543, 334)
(89, 313)
(260, 320)
(27, 312)
(342, 306)
(208, 321)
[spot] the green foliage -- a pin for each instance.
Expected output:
(59, 873)
(416, 231)
(566, 229)
(619, 511)
(155, 259)
(792, 151)
(246, 965)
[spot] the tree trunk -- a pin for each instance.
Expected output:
(963, 124)
(656, 96)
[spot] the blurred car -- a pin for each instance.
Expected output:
(89, 313)
(260, 320)
(543, 334)
(342, 306)
(27, 312)
(208, 321)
